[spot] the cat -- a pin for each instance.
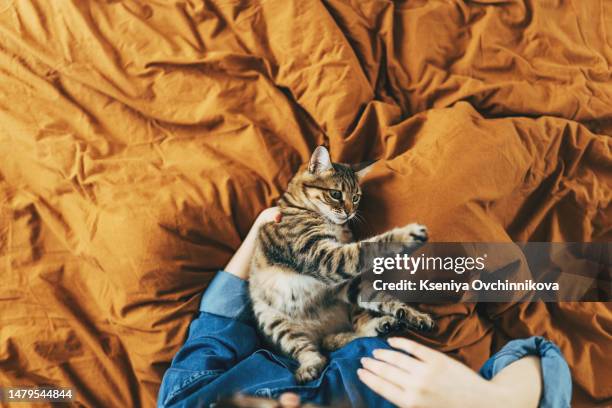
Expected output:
(305, 284)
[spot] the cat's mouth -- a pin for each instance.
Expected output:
(340, 219)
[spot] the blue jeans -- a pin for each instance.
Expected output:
(223, 355)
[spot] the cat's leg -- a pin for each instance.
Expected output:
(365, 324)
(385, 304)
(335, 341)
(294, 341)
(410, 233)
(369, 324)
(311, 363)
(360, 293)
(319, 254)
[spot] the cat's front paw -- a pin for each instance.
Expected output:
(310, 369)
(414, 318)
(412, 233)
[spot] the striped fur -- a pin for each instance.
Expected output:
(305, 281)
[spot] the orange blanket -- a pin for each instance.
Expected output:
(138, 141)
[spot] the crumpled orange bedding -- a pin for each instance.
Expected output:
(138, 141)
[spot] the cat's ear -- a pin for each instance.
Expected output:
(319, 161)
(362, 169)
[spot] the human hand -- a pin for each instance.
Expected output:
(267, 215)
(286, 400)
(289, 400)
(426, 378)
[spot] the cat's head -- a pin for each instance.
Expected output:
(331, 189)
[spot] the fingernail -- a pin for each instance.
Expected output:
(376, 352)
(364, 360)
(360, 372)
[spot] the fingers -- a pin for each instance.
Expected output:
(385, 371)
(400, 360)
(382, 387)
(289, 400)
(394, 374)
(269, 215)
(423, 353)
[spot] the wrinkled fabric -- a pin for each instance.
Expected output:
(556, 377)
(138, 141)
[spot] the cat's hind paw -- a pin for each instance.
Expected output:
(387, 324)
(310, 369)
(413, 318)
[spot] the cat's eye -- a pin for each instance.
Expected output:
(356, 198)
(336, 195)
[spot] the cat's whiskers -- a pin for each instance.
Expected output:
(357, 218)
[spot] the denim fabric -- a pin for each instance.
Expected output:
(222, 355)
(228, 296)
(557, 380)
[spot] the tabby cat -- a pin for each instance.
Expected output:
(305, 282)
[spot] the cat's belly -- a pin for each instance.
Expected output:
(299, 298)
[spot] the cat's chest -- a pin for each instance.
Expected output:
(341, 232)
(288, 285)
(289, 293)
